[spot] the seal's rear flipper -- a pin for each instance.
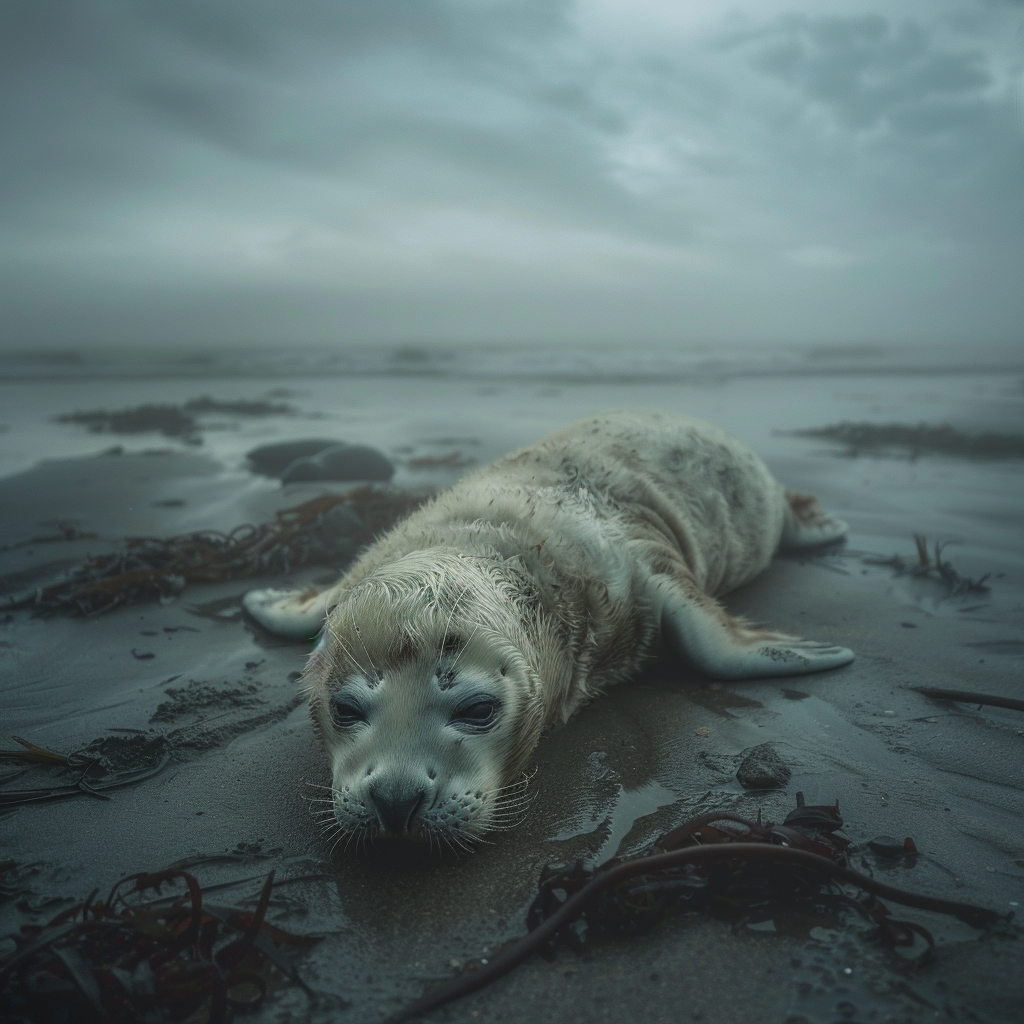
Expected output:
(808, 525)
(706, 636)
(295, 614)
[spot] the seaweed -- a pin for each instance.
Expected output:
(95, 774)
(169, 420)
(150, 568)
(174, 421)
(933, 567)
(707, 862)
(453, 460)
(253, 407)
(124, 959)
(919, 439)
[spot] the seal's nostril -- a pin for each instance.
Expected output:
(396, 808)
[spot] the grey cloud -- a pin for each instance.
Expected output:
(127, 79)
(866, 69)
(919, 124)
(130, 120)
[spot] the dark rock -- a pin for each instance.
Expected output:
(762, 768)
(340, 462)
(274, 459)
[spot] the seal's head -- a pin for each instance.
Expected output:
(426, 693)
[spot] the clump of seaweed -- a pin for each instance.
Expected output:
(919, 439)
(95, 770)
(933, 567)
(705, 863)
(150, 568)
(453, 460)
(123, 959)
(170, 420)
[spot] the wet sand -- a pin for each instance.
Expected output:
(220, 695)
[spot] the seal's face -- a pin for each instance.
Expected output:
(426, 728)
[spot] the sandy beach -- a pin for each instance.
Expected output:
(194, 678)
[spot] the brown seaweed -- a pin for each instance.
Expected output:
(175, 421)
(124, 959)
(150, 568)
(701, 863)
(94, 776)
(933, 567)
(453, 460)
(918, 439)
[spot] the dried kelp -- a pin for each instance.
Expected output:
(707, 862)
(919, 439)
(453, 460)
(149, 568)
(93, 772)
(176, 421)
(933, 567)
(123, 959)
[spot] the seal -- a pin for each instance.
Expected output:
(502, 605)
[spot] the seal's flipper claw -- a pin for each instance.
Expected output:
(295, 614)
(706, 636)
(808, 525)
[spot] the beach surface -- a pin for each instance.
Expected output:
(192, 677)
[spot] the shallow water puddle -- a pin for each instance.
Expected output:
(627, 808)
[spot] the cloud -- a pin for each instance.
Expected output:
(636, 168)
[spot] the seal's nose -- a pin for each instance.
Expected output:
(396, 807)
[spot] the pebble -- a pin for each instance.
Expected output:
(340, 462)
(274, 459)
(762, 768)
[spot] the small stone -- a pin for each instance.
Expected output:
(274, 459)
(340, 462)
(762, 768)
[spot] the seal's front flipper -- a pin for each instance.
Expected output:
(295, 614)
(706, 636)
(808, 525)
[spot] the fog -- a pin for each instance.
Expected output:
(263, 173)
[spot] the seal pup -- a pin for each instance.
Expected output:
(506, 602)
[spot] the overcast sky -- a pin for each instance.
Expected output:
(268, 171)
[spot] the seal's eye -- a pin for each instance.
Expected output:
(345, 713)
(480, 714)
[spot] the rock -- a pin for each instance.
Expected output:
(762, 768)
(340, 462)
(274, 459)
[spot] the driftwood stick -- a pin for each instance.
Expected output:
(964, 697)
